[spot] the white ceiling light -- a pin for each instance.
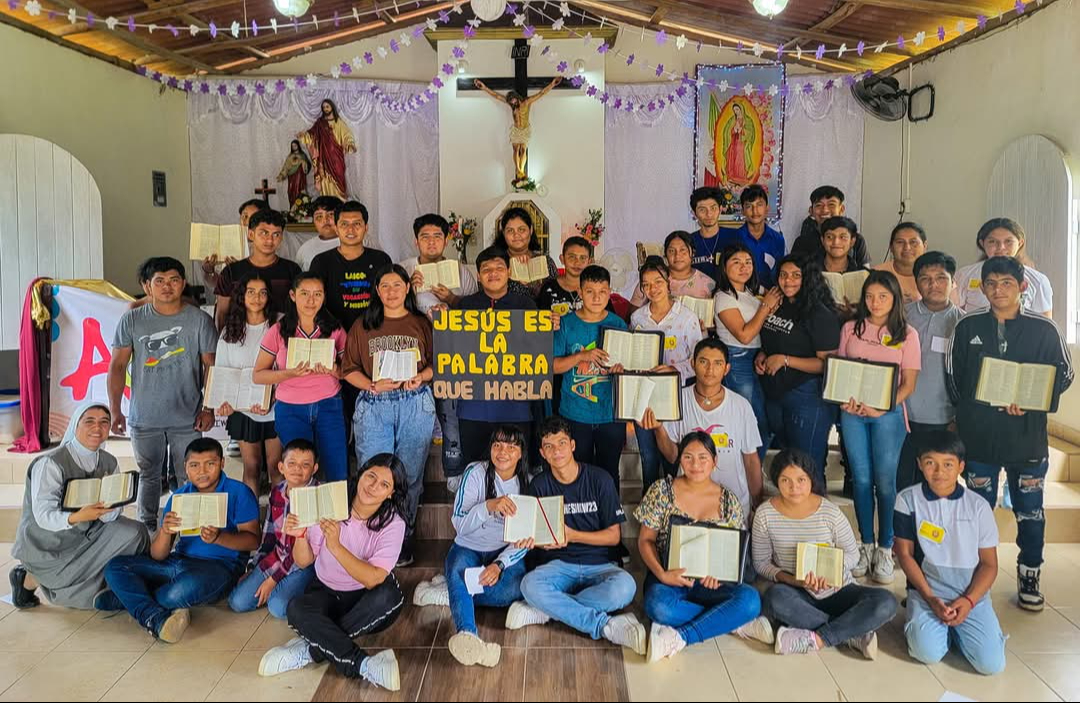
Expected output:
(489, 10)
(292, 8)
(770, 8)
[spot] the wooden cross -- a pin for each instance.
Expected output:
(265, 191)
(522, 82)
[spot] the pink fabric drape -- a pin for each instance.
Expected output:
(30, 401)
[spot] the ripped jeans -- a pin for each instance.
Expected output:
(1026, 482)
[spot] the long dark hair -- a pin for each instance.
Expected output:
(395, 504)
(724, 284)
(1011, 225)
(234, 330)
(658, 265)
(511, 434)
(300, 148)
(814, 290)
(375, 313)
(516, 213)
(333, 107)
(897, 321)
(696, 436)
(326, 322)
(801, 460)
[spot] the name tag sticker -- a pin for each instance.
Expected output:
(770, 260)
(931, 532)
(560, 308)
(939, 345)
(670, 342)
(887, 341)
(974, 283)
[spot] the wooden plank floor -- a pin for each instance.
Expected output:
(539, 663)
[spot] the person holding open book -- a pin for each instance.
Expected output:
(249, 316)
(1007, 369)
(217, 520)
(839, 265)
(873, 437)
(804, 544)
(308, 393)
(687, 610)
(578, 582)
(683, 278)
(682, 332)
(265, 232)
(388, 358)
(63, 545)
(355, 592)
(795, 340)
(209, 264)
(431, 231)
(742, 307)
(484, 502)
(1001, 236)
(275, 579)
(517, 238)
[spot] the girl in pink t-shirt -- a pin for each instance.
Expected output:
(355, 592)
(308, 395)
(872, 437)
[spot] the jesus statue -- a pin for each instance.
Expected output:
(328, 140)
(521, 131)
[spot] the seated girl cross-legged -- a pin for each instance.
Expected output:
(354, 592)
(812, 614)
(686, 611)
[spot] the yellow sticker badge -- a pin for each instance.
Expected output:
(974, 284)
(931, 532)
(670, 342)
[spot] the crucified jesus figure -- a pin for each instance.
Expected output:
(521, 131)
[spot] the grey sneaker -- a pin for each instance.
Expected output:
(866, 557)
(865, 645)
(382, 670)
(882, 571)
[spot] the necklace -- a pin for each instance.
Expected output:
(708, 400)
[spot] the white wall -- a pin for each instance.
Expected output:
(566, 152)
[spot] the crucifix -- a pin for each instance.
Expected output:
(265, 191)
(519, 102)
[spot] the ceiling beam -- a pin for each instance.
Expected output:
(969, 10)
(159, 11)
(50, 37)
(659, 13)
(133, 39)
(842, 12)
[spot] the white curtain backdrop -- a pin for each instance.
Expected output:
(649, 159)
(236, 141)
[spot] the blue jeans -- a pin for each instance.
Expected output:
(244, 600)
(742, 379)
(852, 611)
(462, 605)
(1026, 483)
(802, 420)
(700, 613)
(873, 448)
(653, 464)
(579, 595)
(399, 422)
(151, 590)
(321, 423)
(978, 638)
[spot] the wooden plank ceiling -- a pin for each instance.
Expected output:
(805, 23)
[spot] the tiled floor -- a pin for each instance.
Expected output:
(56, 654)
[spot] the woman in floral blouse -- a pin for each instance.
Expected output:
(686, 611)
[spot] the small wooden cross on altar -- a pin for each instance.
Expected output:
(265, 191)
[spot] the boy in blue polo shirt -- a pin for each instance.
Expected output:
(158, 589)
(764, 242)
(946, 543)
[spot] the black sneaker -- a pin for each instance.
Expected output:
(21, 596)
(406, 557)
(1028, 595)
(106, 600)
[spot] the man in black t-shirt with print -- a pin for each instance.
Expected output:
(266, 229)
(578, 582)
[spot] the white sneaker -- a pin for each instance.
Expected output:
(866, 557)
(664, 642)
(883, 565)
(759, 629)
(438, 579)
(521, 614)
(431, 593)
(290, 656)
(625, 631)
(865, 645)
(382, 670)
(791, 640)
(233, 448)
(469, 649)
(453, 484)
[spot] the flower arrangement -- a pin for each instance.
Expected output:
(462, 230)
(301, 210)
(593, 228)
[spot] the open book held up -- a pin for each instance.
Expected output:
(1029, 386)
(538, 518)
(199, 510)
(636, 351)
(330, 501)
(112, 490)
(222, 240)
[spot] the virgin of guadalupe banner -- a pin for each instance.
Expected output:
(739, 138)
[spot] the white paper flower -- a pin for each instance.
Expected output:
(335, 71)
(431, 24)
(536, 39)
(457, 7)
(961, 27)
(235, 29)
(382, 52)
(758, 49)
(558, 24)
(724, 85)
(881, 47)
(357, 62)
(920, 38)
(191, 28)
(111, 23)
(405, 39)
(519, 20)
(841, 50)
(773, 89)
(564, 9)
(748, 89)
(798, 53)
(680, 42)
(290, 83)
(151, 27)
(312, 80)
(819, 86)
(588, 38)
(33, 8)
(700, 81)
(273, 24)
(72, 17)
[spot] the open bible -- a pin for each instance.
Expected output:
(871, 383)
(222, 240)
(535, 270)
(443, 273)
(199, 510)
(707, 551)
(633, 394)
(846, 287)
(395, 365)
(112, 490)
(647, 249)
(538, 518)
(636, 351)
(330, 501)
(235, 387)
(1029, 386)
(821, 560)
(704, 308)
(313, 351)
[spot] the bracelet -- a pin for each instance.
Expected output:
(965, 597)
